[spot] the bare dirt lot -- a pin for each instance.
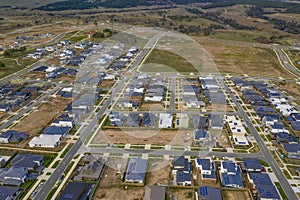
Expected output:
(144, 136)
(180, 193)
(42, 116)
(120, 193)
(112, 187)
(235, 194)
(159, 172)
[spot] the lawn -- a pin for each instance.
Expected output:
(282, 193)
(167, 62)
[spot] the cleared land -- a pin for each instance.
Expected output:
(120, 193)
(144, 136)
(235, 59)
(291, 88)
(235, 194)
(41, 117)
(180, 193)
(168, 62)
(159, 172)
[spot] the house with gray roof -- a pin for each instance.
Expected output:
(12, 136)
(13, 176)
(28, 161)
(136, 170)
(7, 192)
(155, 193)
(209, 193)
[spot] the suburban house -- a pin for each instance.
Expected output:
(57, 130)
(116, 118)
(155, 193)
(136, 170)
(12, 136)
(201, 136)
(165, 120)
(200, 122)
(231, 175)
(216, 122)
(45, 141)
(8, 193)
(13, 176)
(92, 169)
(209, 193)
(253, 165)
(64, 120)
(29, 161)
(207, 168)
(77, 190)
(264, 186)
(182, 170)
(292, 150)
(238, 130)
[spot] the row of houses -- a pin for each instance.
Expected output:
(272, 108)
(122, 61)
(155, 91)
(191, 95)
(212, 91)
(55, 72)
(13, 95)
(52, 134)
(23, 167)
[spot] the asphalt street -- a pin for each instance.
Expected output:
(46, 188)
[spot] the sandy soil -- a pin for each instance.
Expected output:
(142, 136)
(236, 194)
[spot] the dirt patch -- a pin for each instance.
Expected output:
(235, 194)
(291, 88)
(144, 136)
(159, 172)
(114, 172)
(131, 193)
(176, 193)
(42, 116)
(107, 84)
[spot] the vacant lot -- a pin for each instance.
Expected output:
(291, 88)
(249, 60)
(176, 193)
(120, 193)
(235, 194)
(42, 116)
(168, 61)
(159, 172)
(144, 136)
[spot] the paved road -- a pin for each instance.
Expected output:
(173, 152)
(265, 152)
(286, 63)
(46, 188)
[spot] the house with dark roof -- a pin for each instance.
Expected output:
(12, 136)
(183, 178)
(76, 190)
(200, 122)
(92, 169)
(134, 120)
(182, 171)
(7, 192)
(136, 170)
(201, 136)
(149, 119)
(57, 130)
(215, 121)
(292, 150)
(155, 193)
(231, 175)
(286, 138)
(264, 186)
(296, 125)
(64, 120)
(207, 168)
(13, 176)
(28, 161)
(253, 165)
(209, 193)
